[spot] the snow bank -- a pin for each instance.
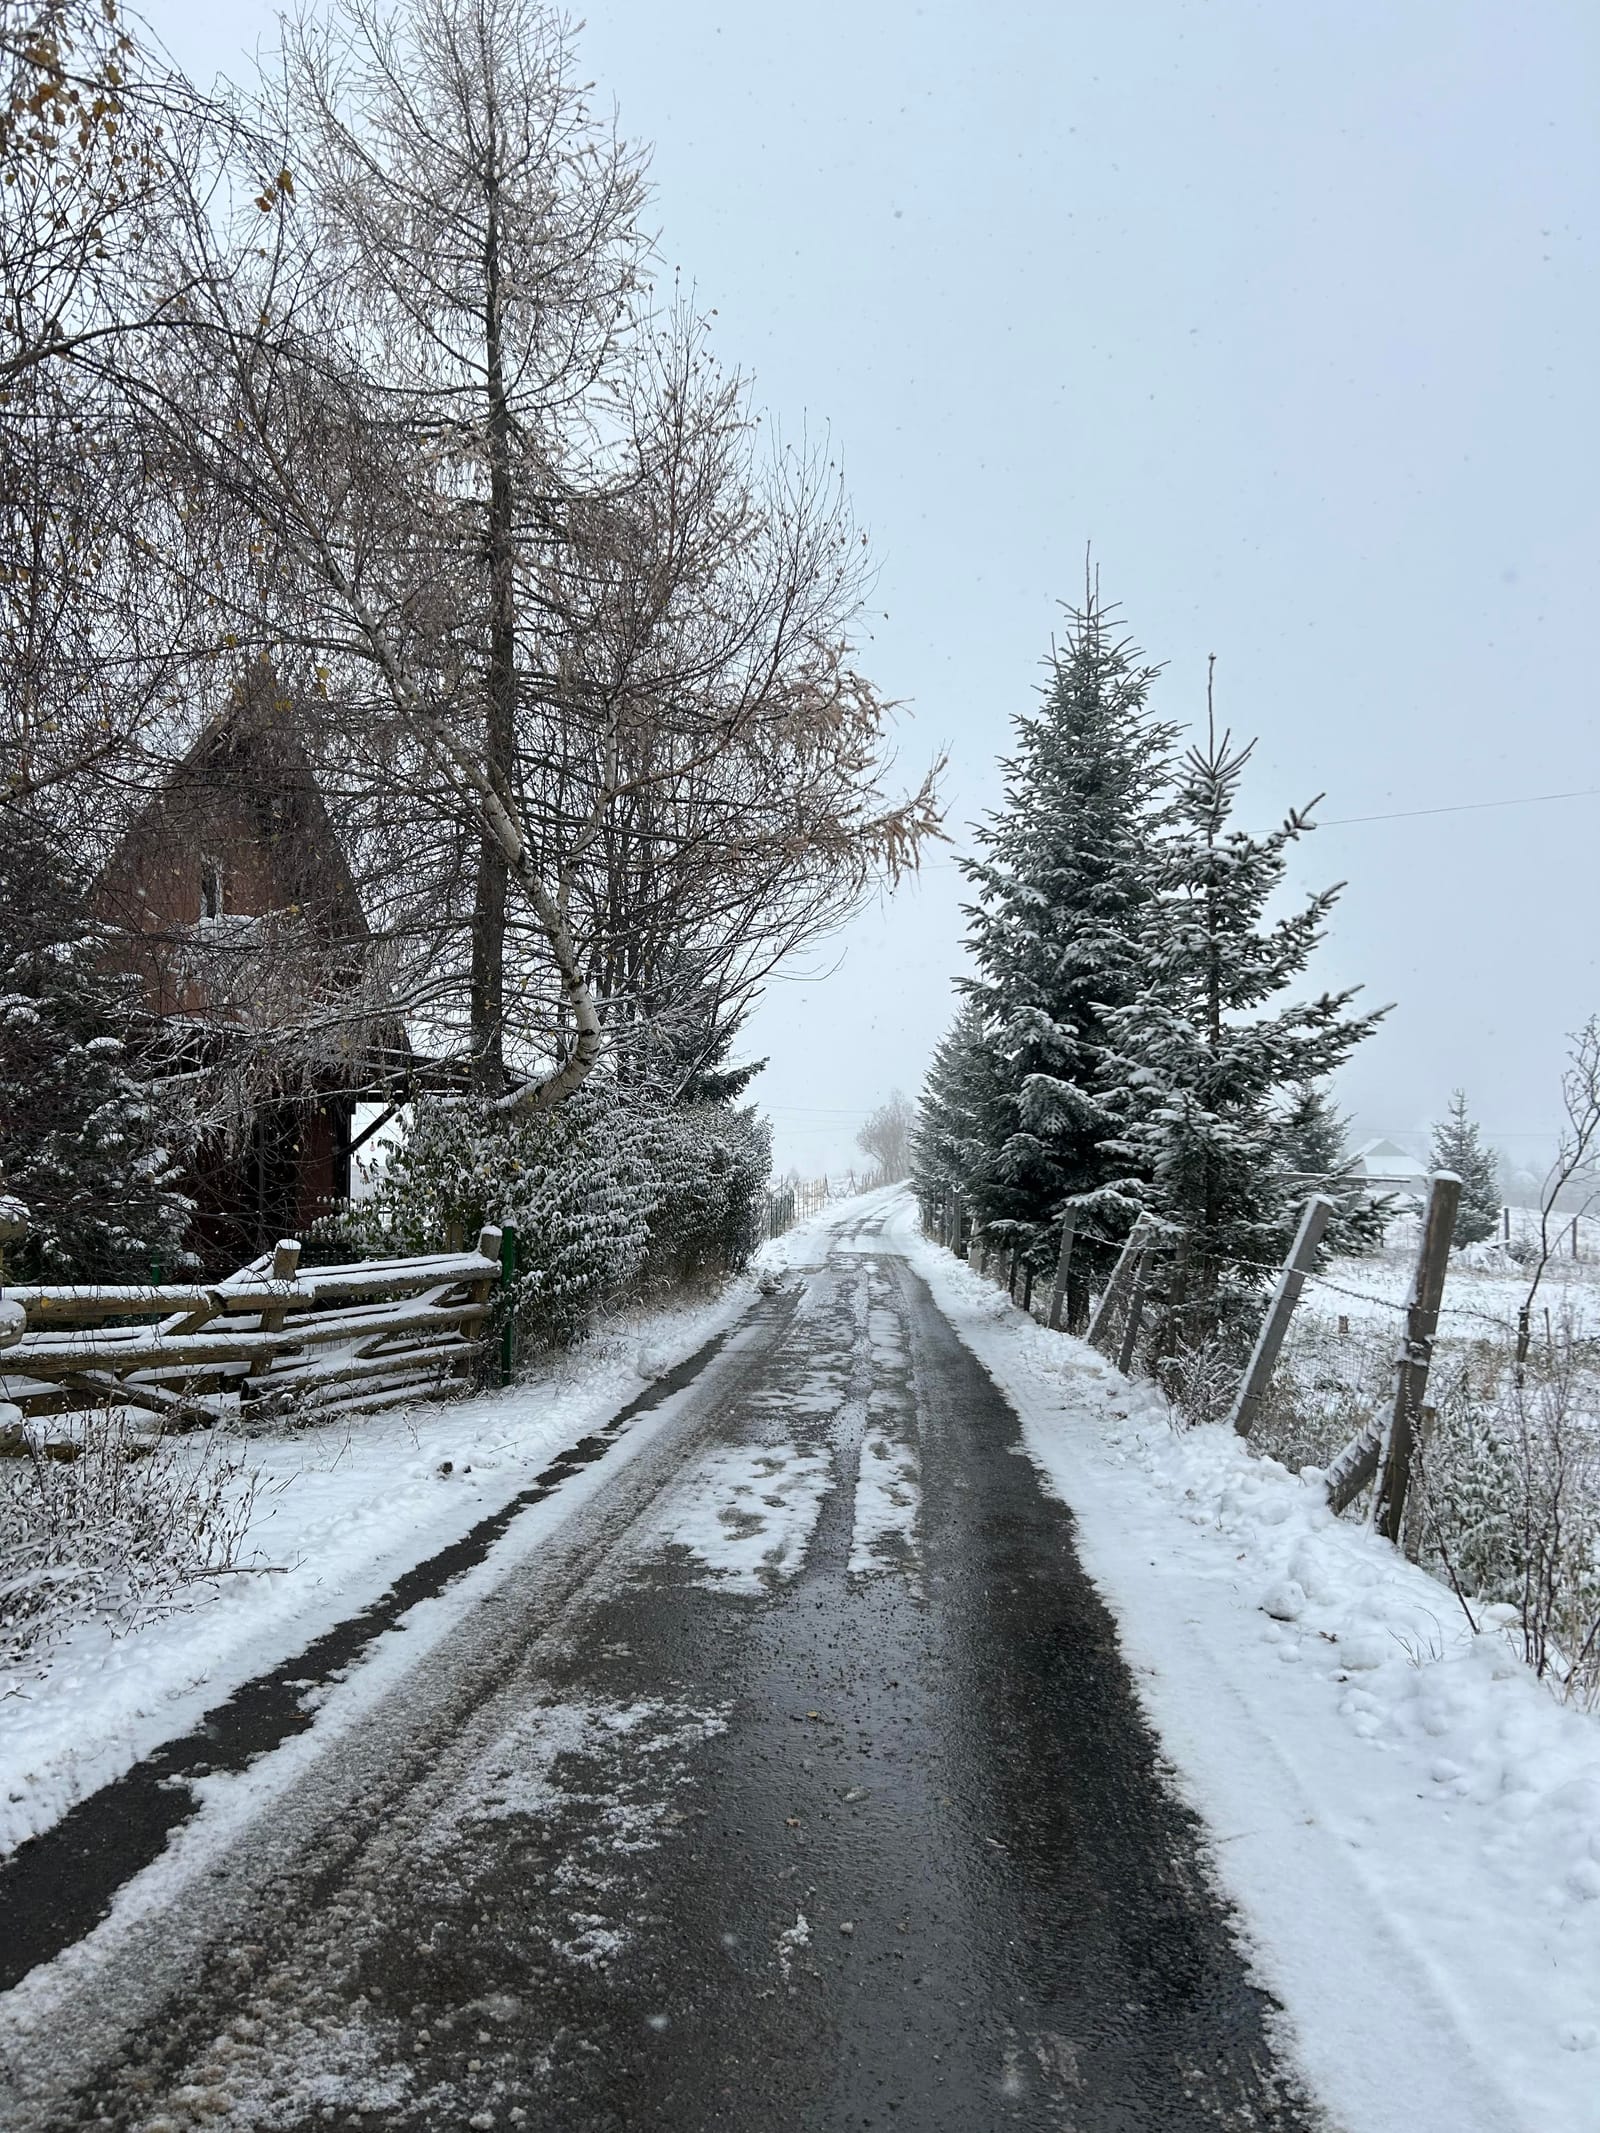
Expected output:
(340, 1511)
(1407, 1821)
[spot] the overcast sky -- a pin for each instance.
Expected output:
(1289, 307)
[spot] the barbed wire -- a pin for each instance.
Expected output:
(1275, 1268)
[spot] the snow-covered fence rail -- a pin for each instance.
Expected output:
(346, 1338)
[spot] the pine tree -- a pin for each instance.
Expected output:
(1054, 935)
(1458, 1146)
(84, 1143)
(947, 1145)
(1314, 1140)
(1204, 1061)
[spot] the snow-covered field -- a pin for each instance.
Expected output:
(339, 1511)
(1408, 1822)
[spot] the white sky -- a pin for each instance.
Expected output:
(1289, 307)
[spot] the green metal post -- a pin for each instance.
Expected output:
(508, 1274)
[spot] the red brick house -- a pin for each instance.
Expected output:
(230, 897)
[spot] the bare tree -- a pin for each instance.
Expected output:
(1574, 1168)
(515, 538)
(886, 1137)
(97, 141)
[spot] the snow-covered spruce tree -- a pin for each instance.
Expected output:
(1204, 1060)
(947, 1146)
(1458, 1146)
(1315, 1151)
(87, 1142)
(1055, 936)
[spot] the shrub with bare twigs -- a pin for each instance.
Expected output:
(124, 1531)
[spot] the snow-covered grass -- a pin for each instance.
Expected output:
(1505, 1502)
(1407, 1821)
(333, 1516)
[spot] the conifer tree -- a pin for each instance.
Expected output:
(84, 1143)
(1458, 1146)
(947, 1146)
(1204, 1058)
(1054, 935)
(1315, 1150)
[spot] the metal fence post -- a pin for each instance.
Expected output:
(508, 1275)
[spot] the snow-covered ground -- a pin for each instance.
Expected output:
(1483, 1292)
(1408, 1822)
(339, 1512)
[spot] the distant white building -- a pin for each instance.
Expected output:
(1386, 1169)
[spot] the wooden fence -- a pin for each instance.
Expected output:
(348, 1339)
(1381, 1453)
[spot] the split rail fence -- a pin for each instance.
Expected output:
(1381, 1453)
(346, 1339)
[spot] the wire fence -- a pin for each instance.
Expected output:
(1467, 1430)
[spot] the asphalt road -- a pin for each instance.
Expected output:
(798, 1783)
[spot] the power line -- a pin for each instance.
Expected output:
(1399, 814)
(1463, 807)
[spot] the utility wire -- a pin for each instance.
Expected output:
(1399, 814)
(1463, 807)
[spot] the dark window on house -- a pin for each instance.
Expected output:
(210, 889)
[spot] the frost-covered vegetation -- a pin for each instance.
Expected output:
(612, 1197)
(1505, 1500)
(123, 1530)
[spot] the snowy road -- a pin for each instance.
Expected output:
(793, 1781)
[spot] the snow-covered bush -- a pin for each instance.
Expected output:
(610, 1196)
(88, 1142)
(1201, 1379)
(711, 1167)
(576, 1183)
(124, 1531)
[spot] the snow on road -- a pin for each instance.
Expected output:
(888, 1503)
(340, 1511)
(746, 1513)
(1408, 1822)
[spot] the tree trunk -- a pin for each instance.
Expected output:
(489, 903)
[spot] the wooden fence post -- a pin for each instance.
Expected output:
(1058, 1289)
(1416, 1353)
(1121, 1275)
(1133, 1317)
(1389, 1447)
(285, 1267)
(1269, 1341)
